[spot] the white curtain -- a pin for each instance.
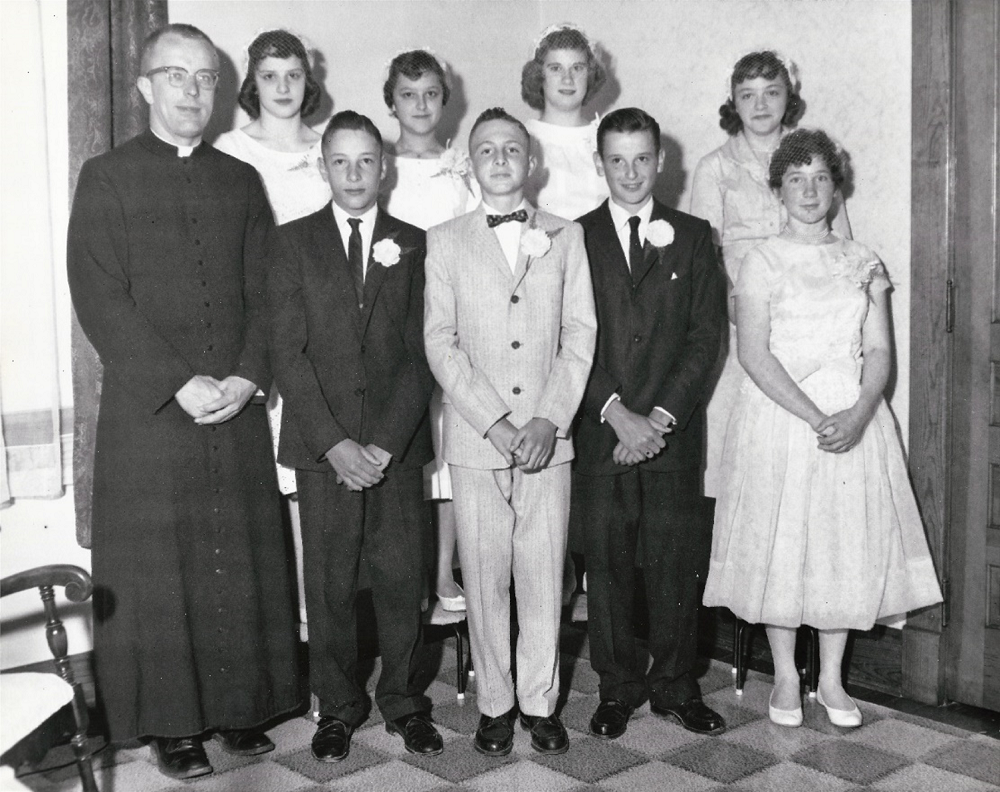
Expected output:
(32, 255)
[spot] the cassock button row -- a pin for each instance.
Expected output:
(516, 344)
(515, 299)
(516, 390)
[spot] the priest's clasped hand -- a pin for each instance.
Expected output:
(211, 401)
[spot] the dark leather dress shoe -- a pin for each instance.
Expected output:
(418, 733)
(332, 740)
(694, 715)
(243, 742)
(548, 735)
(495, 736)
(611, 719)
(180, 757)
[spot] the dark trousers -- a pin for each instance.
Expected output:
(656, 521)
(382, 528)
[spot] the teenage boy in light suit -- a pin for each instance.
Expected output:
(636, 486)
(509, 331)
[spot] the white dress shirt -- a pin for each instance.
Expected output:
(367, 229)
(620, 218)
(509, 233)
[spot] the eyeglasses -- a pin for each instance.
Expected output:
(177, 77)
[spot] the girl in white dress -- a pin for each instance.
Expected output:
(428, 183)
(816, 522)
(731, 190)
(278, 92)
(562, 76)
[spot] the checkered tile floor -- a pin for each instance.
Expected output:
(892, 751)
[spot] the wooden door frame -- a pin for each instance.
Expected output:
(951, 196)
(930, 361)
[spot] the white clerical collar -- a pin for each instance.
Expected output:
(182, 151)
(620, 216)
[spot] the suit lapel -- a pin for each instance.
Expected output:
(375, 272)
(486, 244)
(650, 255)
(610, 246)
(523, 260)
(329, 246)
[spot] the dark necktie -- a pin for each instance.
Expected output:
(520, 216)
(355, 259)
(634, 246)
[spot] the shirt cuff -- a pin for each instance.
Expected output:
(670, 418)
(613, 398)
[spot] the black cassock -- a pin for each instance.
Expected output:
(193, 614)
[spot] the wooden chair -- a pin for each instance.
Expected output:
(741, 634)
(78, 587)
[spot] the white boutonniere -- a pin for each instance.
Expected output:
(535, 242)
(659, 233)
(386, 252)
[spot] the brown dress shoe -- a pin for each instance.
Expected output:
(180, 757)
(332, 740)
(243, 742)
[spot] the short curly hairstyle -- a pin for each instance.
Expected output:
(277, 44)
(533, 76)
(764, 64)
(413, 65)
(799, 148)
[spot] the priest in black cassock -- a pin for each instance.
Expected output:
(194, 629)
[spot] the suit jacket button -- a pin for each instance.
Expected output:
(516, 344)
(515, 299)
(516, 390)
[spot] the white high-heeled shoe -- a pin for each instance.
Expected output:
(453, 604)
(845, 718)
(784, 717)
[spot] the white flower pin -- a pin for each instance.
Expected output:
(386, 252)
(535, 243)
(455, 163)
(659, 233)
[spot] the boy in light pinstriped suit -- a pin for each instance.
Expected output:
(510, 329)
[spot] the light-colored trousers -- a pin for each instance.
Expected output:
(511, 522)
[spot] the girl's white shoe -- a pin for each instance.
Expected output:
(453, 604)
(784, 717)
(846, 718)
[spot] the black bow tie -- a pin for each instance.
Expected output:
(520, 216)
